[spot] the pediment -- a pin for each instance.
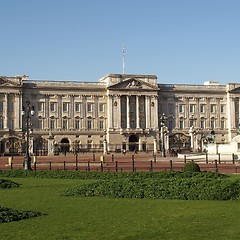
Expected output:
(133, 84)
(4, 82)
(235, 90)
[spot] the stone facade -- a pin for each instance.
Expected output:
(118, 112)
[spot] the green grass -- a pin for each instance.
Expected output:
(105, 218)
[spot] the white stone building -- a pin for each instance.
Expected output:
(120, 111)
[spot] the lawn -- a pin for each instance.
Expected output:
(105, 218)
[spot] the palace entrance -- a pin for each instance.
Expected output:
(133, 142)
(64, 145)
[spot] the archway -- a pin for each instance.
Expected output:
(133, 142)
(64, 145)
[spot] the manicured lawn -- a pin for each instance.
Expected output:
(104, 218)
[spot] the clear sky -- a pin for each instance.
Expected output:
(180, 41)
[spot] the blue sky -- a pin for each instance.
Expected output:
(180, 41)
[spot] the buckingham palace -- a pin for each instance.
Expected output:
(119, 112)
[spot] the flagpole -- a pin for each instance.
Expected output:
(123, 59)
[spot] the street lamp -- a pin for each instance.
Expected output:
(163, 118)
(28, 113)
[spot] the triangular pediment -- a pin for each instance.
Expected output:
(133, 84)
(5, 82)
(235, 90)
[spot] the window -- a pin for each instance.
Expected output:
(212, 123)
(77, 107)
(170, 108)
(213, 108)
(10, 106)
(52, 124)
(202, 108)
(181, 108)
(222, 123)
(40, 106)
(101, 107)
(1, 106)
(52, 107)
(65, 107)
(11, 123)
(40, 123)
(191, 108)
(222, 108)
(1, 122)
(89, 107)
(101, 124)
(77, 123)
(89, 124)
(170, 124)
(202, 123)
(181, 124)
(65, 123)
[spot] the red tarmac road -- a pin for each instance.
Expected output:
(115, 162)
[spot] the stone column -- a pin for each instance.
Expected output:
(17, 112)
(128, 112)
(147, 113)
(137, 112)
(110, 111)
(59, 112)
(140, 147)
(5, 111)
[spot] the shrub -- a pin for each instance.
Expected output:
(8, 184)
(191, 167)
(9, 215)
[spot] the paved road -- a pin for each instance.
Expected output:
(117, 162)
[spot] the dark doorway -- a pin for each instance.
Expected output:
(64, 145)
(133, 143)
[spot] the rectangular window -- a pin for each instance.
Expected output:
(89, 107)
(77, 124)
(77, 107)
(191, 108)
(212, 123)
(202, 108)
(101, 124)
(181, 108)
(1, 106)
(1, 122)
(170, 108)
(170, 124)
(222, 124)
(89, 124)
(202, 123)
(52, 124)
(65, 107)
(65, 124)
(181, 124)
(52, 107)
(11, 123)
(40, 123)
(40, 106)
(10, 106)
(213, 108)
(222, 108)
(101, 107)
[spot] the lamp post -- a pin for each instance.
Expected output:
(163, 118)
(28, 112)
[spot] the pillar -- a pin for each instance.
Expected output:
(128, 113)
(137, 112)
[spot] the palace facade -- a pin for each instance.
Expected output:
(119, 112)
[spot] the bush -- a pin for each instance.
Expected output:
(180, 188)
(8, 184)
(10, 215)
(191, 167)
